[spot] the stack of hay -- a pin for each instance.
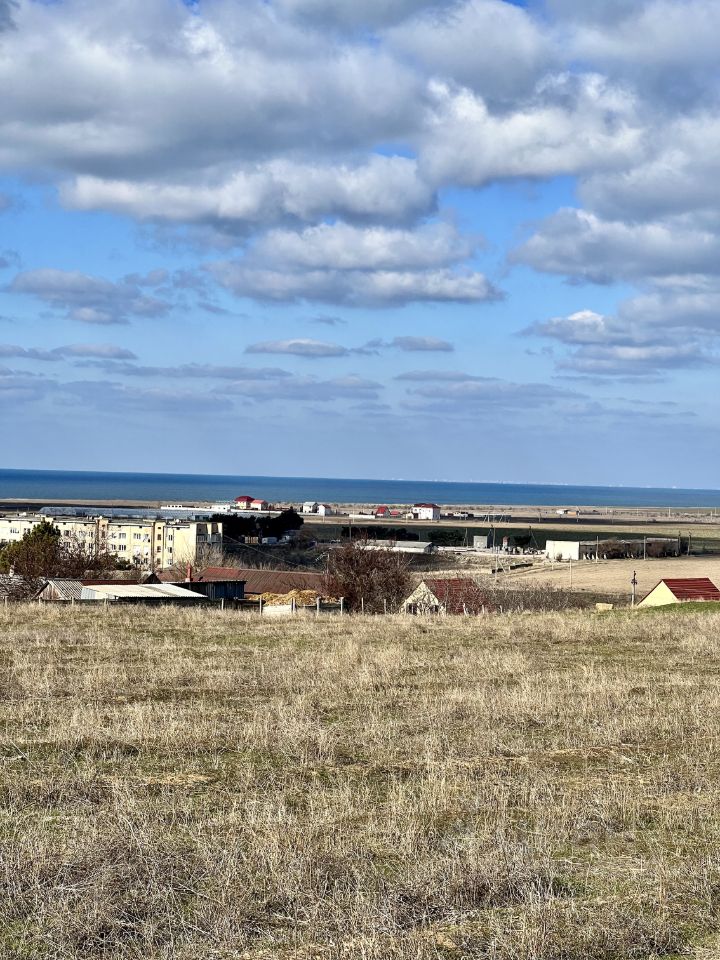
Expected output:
(302, 598)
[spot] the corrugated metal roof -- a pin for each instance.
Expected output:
(691, 588)
(458, 595)
(137, 591)
(265, 581)
(65, 589)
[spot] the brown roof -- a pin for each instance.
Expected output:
(691, 588)
(459, 595)
(256, 581)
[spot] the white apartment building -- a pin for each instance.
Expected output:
(149, 543)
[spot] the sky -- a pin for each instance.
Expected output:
(472, 240)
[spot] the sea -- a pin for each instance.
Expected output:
(54, 485)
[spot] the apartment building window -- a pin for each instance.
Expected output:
(122, 547)
(14, 530)
(137, 536)
(122, 536)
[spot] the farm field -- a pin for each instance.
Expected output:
(195, 784)
(614, 576)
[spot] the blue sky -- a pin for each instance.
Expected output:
(468, 240)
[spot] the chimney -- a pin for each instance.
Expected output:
(188, 578)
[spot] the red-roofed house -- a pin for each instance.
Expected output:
(454, 596)
(259, 505)
(244, 502)
(691, 589)
(382, 512)
(426, 511)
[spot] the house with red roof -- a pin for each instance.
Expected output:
(454, 596)
(426, 511)
(687, 590)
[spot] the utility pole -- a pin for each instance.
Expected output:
(571, 582)
(644, 548)
(634, 583)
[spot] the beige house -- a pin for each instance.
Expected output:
(147, 542)
(688, 590)
(453, 596)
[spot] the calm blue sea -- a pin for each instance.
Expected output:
(53, 485)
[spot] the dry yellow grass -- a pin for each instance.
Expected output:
(197, 784)
(614, 576)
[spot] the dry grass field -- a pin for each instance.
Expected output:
(192, 784)
(614, 576)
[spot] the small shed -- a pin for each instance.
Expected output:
(688, 590)
(139, 593)
(447, 597)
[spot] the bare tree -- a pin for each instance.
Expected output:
(367, 578)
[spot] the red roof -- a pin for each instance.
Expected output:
(256, 581)
(691, 588)
(382, 510)
(459, 595)
(243, 499)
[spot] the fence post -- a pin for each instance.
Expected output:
(342, 605)
(261, 605)
(222, 603)
(362, 605)
(385, 606)
(317, 607)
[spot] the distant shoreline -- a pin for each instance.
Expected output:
(142, 489)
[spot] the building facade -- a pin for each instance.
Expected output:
(426, 511)
(149, 543)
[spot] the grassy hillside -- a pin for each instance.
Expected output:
(185, 784)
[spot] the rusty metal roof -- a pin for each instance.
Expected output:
(691, 588)
(256, 581)
(458, 594)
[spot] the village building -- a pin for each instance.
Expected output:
(455, 596)
(147, 542)
(58, 589)
(154, 593)
(319, 509)
(258, 504)
(608, 549)
(398, 546)
(254, 581)
(425, 511)
(687, 590)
